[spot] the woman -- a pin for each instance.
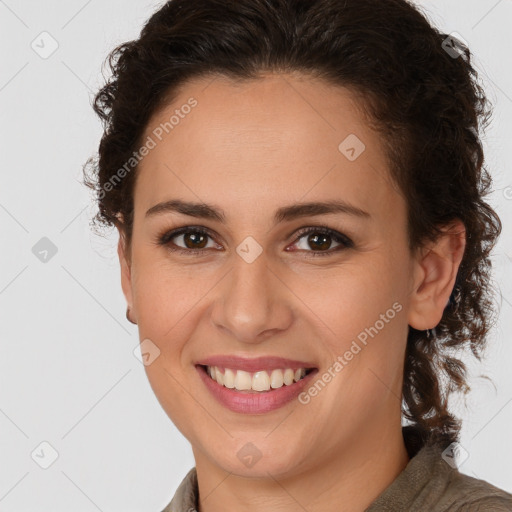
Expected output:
(299, 192)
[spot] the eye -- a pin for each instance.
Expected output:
(194, 239)
(320, 239)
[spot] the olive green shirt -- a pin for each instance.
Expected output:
(428, 483)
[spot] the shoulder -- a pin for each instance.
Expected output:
(185, 498)
(467, 494)
(443, 487)
(432, 482)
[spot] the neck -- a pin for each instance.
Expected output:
(352, 477)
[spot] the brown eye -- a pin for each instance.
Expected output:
(186, 239)
(194, 240)
(319, 240)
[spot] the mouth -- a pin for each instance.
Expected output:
(260, 381)
(255, 392)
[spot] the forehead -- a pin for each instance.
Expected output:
(279, 138)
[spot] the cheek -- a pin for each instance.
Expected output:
(168, 302)
(165, 297)
(365, 328)
(350, 298)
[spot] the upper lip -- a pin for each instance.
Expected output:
(253, 364)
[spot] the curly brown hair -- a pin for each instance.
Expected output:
(419, 90)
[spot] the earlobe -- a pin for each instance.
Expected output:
(436, 269)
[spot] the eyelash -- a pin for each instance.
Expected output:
(165, 238)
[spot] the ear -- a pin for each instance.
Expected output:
(126, 274)
(435, 271)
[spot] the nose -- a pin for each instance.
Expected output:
(252, 302)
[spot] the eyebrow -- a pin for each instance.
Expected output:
(285, 213)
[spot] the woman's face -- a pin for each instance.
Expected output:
(257, 286)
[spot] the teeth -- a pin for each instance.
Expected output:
(218, 376)
(243, 380)
(229, 378)
(276, 378)
(289, 374)
(261, 381)
(257, 381)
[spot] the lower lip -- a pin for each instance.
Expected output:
(257, 402)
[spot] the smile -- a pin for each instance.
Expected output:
(254, 392)
(259, 381)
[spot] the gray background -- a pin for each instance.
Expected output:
(68, 373)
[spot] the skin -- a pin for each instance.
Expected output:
(249, 148)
